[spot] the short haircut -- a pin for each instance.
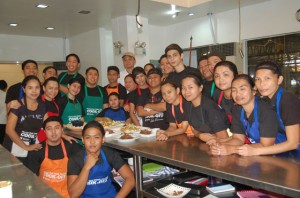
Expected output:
(154, 71)
(245, 77)
(74, 80)
(3, 85)
(28, 78)
(50, 79)
(136, 71)
(91, 68)
(49, 67)
(114, 94)
(218, 54)
(161, 57)
(53, 119)
(74, 55)
(114, 68)
(230, 65)
(270, 65)
(93, 124)
(29, 61)
(150, 65)
(195, 76)
(129, 76)
(173, 46)
(205, 57)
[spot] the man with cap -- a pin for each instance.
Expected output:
(128, 62)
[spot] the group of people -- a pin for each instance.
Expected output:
(204, 102)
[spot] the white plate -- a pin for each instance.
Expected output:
(135, 137)
(107, 134)
(137, 131)
(152, 134)
(169, 190)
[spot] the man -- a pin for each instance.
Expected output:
(128, 62)
(15, 92)
(49, 71)
(208, 78)
(51, 162)
(175, 58)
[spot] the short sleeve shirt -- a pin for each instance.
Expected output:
(13, 93)
(178, 115)
(134, 98)
(176, 78)
(121, 91)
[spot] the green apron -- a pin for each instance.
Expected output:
(92, 105)
(72, 112)
(65, 85)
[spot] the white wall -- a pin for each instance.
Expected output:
(20, 48)
(157, 41)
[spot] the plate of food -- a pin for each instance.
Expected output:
(173, 191)
(75, 126)
(124, 138)
(146, 132)
(110, 124)
(130, 128)
(111, 133)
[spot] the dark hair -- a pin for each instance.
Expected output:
(49, 67)
(154, 71)
(162, 56)
(3, 85)
(195, 76)
(28, 78)
(168, 82)
(74, 55)
(53, 119)
(173, 46)
(136, 71)
(245, 77)
(205, 57)
(91, 68)
(114, 68)
(29, 61)
(129, 76)
(114, 94)
(74, 80)
(270, 65)
(230, 65)
(93, 124)
(150, 65)
(50, 79)
(218, 54)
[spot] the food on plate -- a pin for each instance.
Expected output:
(146, 132)
(126, 136)
(77, 123)
(129, 128)
(109, 131)
(110, 123)
(175, 193)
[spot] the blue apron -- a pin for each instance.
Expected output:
(116, 115)
(92, 105)
(99, 182)
(278, 99)
(252, 131)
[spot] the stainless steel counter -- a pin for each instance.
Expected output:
(25, 183)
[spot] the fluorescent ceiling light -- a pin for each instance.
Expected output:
(13, 24)
(191, 14)
(173, 10)
(49, 28)
(183, 3)
(41, 6)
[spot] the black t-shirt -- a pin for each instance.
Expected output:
(121, 91)
(180, 116)
(93, 92)
(289, 108)
(226, 104)
(134, 97)
(207, 85)
(76, 162)
(103, 113)
(63, 101)
(68, 77)
(157, 120)
(176, 78)
(51, 107)
(267, 119)
(35, 158)
(13, 92)
(208, 117)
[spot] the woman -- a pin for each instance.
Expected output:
(148, 67)
(95, 163)
(224, 73)
(70, 107)
(95, 97)
(24, 123)
(253, 119)
(166, 68)
(268, 79)
(178, 123)
(205, 117)
(130, 86)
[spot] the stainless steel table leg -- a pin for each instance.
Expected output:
(137, 164)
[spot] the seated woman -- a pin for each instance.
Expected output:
(224, 73)
(24, 123)
(114, 111)
(206, 118)
(176, 117)
(70, 107)
(268, 79)
(89, 171)
(253, 119)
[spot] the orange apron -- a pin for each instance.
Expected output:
(179, 125)
(54, 172)
(114, 89)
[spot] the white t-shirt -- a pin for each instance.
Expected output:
(123, 74)
(3, 115)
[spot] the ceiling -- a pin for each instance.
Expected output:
(64, 16)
